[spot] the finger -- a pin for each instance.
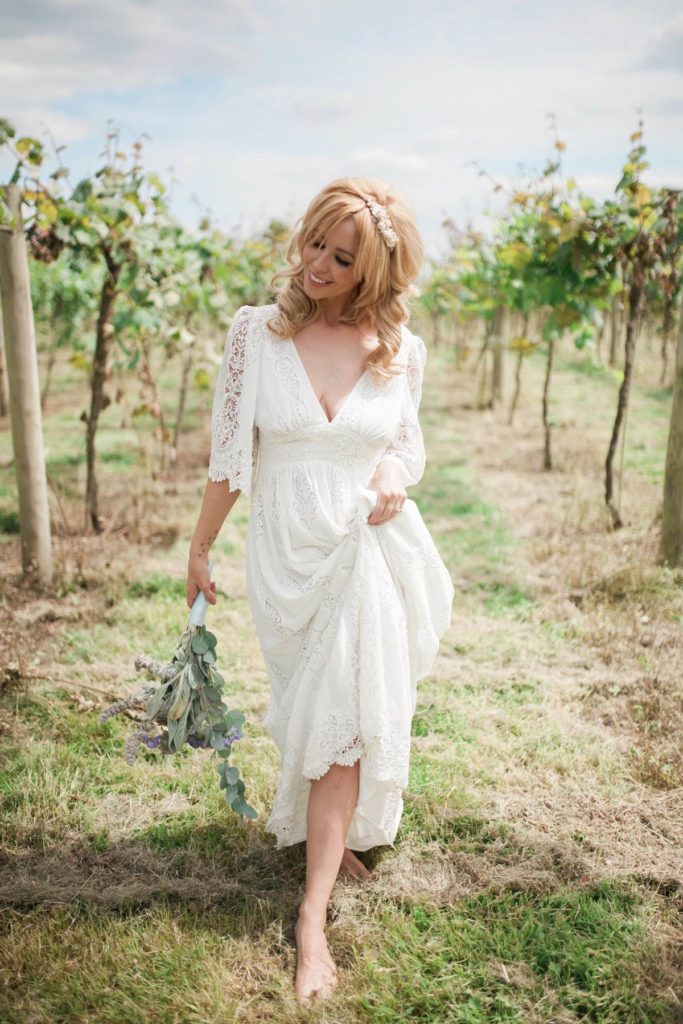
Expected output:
(378, 512)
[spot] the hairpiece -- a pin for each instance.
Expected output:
(381, 219)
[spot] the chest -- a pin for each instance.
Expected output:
(287, 400)
(332, 361)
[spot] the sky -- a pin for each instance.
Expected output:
(248, 107)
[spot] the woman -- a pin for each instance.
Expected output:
(315, 416)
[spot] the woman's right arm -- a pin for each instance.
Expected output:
(218, 501)
(234, 441)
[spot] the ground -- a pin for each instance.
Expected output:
(536, 876)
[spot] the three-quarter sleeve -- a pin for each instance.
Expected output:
(407, 446)
(234, 435)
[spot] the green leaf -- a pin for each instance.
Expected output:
(181, 702)
(216, 678)
(236, 719)
(155, 701)
(83, 237)
(200, 644)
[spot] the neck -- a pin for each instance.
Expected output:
(331, 310)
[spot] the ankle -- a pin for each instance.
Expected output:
(312, 915)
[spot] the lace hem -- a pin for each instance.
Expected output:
(385, 764)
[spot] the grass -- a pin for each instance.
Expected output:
(535, 876)
(513, 956)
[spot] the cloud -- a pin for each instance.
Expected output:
(256, 109)
(61, 48)
(664, 50)
(375, 156)
(315, 104)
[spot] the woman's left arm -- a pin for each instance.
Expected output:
(403, 462)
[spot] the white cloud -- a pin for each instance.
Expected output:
(256, 109)
(58, 49)
(664, 47)
(386, 159)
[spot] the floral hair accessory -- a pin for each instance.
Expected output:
(381, 219)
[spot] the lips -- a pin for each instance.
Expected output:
(318, 282)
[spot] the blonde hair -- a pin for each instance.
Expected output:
(384, 279)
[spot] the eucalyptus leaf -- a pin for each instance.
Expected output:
(200, 644)
(236, 719)
(216, 677)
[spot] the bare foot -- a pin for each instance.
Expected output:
(353, 868)
(316, 974)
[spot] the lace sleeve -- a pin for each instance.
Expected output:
(407, 446)
(234, 435)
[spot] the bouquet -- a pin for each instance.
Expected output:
(187, 706)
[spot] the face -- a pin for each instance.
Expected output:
(331, 262)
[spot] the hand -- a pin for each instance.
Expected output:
(391, 495)
(198, 579)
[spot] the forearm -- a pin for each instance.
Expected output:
(216, 505)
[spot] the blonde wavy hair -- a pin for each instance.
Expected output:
(383, 279)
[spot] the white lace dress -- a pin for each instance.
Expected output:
(348, 615)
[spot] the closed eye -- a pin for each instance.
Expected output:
(343, 263)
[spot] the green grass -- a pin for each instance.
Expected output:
(158, 585)
(138, 897)
(501, 957)
(489, 958)
(9, 520)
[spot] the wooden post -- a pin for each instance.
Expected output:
(671, 540)
(4, 394)
(24, 397)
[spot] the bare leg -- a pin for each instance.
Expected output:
(331, 803)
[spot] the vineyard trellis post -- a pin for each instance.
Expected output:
(671, 540)
(4, 394)
(24, 397)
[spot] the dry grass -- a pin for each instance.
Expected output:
(546, 763)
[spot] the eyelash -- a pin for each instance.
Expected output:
(342, 262)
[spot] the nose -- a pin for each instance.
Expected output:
(321, 269)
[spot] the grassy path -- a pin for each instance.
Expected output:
(536, 876)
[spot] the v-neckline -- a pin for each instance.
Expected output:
(317, 401)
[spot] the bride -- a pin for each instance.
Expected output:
(315, 416)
